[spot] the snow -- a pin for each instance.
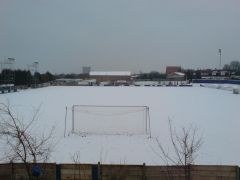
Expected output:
(110, 73)
(228, 87)
(179, 73)
(214, 112)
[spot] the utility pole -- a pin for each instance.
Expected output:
(35, 66)
(220, 58)
(34, 69)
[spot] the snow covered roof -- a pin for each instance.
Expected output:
(110, 73)
(179, 73)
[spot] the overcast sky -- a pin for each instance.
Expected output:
(134, 35)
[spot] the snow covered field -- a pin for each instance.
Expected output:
(215, 112)
(226, 87)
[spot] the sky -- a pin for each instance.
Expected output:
(119, 35)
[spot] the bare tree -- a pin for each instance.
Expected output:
(23, 145)
(185, 146)
(76, 157)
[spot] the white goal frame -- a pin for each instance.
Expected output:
(141, 109)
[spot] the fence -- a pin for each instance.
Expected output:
(18, 171)
(216, 81)
(120, 172)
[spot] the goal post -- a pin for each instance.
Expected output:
(110, 120)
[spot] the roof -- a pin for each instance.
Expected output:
(175, 75)
(110, 73)
(179, 73)
(171, 69)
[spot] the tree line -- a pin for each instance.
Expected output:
(233, 66)
(153, 75)
(24, 77)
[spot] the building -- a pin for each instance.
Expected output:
(110, 76)
(86, 69)
(211, 74)
(173, 69)
(176, 76)
(66, 82)
(74, 82)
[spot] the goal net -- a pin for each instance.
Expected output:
(129, 120)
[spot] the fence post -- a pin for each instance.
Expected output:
(144, 172)
(94, 172)
(13, 171)
(237, 173)
(189, 171)
(99, 171)
(58, 171)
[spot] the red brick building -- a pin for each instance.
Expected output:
(173, 69)
(110, 76)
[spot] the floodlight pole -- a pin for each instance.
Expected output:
(10, 76)
(35, 66)
(220, 58)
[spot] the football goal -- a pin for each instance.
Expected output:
(110, 120)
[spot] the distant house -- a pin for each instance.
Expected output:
(211, 74)
(215, 73)
(173, 69)
(110, 76)
(224, 73)
(220, 73)
(205, 72)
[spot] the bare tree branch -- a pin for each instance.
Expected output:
(185, 145)
(23, 145)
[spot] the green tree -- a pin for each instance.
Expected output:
(46, 77)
